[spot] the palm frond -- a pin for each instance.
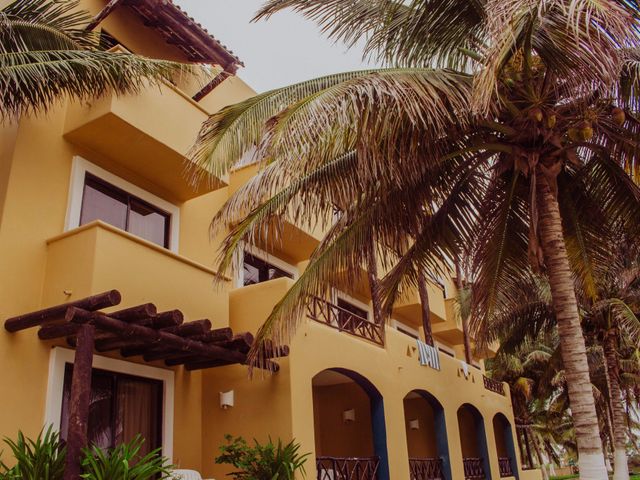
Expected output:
(46, 56)
(332, 113)
(415, 33)
(33, 81)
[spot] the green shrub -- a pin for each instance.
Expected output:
(44, 459)
(39, 459)
(262, 462)
(124, 463)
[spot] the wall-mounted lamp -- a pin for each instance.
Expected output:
(349, 416)
(226, 399)
(414, 424)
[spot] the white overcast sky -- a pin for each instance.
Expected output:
(282, 50)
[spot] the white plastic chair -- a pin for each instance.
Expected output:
(186, 475)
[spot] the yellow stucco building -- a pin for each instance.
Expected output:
(92, 198)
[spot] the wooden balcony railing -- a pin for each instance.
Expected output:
(473, 468)
(425, 468)
(347, 468)
(493, 385)
(327, 313)
(504, 463)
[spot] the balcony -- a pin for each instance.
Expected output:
(474, 469)
(98, 257)
(493, 385)
(425, 469)
(504, 463)
(343, 320)
(148, 134)
(347, 468)
(409, 306)
(451, 330)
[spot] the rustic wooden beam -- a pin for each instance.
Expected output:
(49, 332)
(170, 340)
(197, 327)
(139, 312)
(186, 330)
(163, 320)
(33, 319)
(79, 401)
(102, 14)
(163, 353)
(169, 318)
(217, 80)
(241, 342)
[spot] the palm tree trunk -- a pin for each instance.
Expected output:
(574, 357)
(620, 465)
(536, 446)
(465, 319)
(372, 276)
(423, 292)
(527, 444)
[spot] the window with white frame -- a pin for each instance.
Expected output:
(349, 308)
(96, 194)
(126, 398)
(258, 267)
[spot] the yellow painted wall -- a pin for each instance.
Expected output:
(421, 443)
(333, 436)
(467, 426)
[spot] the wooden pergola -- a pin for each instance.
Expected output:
(134, 331)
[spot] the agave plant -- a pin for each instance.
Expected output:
(39, 459)
(504, 131)
(46, 53)
(124, 463)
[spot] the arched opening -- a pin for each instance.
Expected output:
(426, 437)
(505, 446)
(350, 433)
(473, 442)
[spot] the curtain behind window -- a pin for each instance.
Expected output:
(137, 412)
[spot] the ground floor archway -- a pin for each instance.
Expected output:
(349, 427)
(427, 442)
(473, 442)
(505, 446)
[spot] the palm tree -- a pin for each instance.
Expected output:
(501, 129)
(610, 326)
(47, 53)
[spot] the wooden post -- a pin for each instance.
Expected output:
(79, 401)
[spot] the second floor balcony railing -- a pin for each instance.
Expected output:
(327, 313)
(504, 463)
(493, 385)
(347, 468)
(425, 468)
(473, 469)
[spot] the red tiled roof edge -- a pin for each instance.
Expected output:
(180, 28)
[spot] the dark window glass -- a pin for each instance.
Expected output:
(99, 202)
(121, 407)
(257, 270)
(407, 332)
(103, 201)
(346, 314)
